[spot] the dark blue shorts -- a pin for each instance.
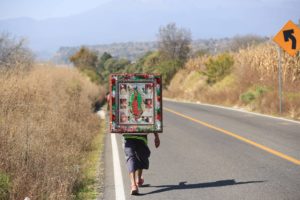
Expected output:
(137, 154)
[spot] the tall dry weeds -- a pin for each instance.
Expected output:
(46, 128)
(255, 68)
(259, 66)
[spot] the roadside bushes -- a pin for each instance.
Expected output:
(46, 128)
(247, 78)
(217, 68)
(4, 186)
(253, 93)
(258, 67)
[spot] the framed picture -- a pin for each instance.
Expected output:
(135, 103)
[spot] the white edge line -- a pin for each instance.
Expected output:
(234, 109)
(118, 178)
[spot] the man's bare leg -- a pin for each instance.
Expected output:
(134, 188)
(139, 180)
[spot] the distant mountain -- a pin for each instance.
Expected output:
(129, 50)
(139, 20)
(102, 25)
(135, 50)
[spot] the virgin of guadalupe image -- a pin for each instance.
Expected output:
(135, 104)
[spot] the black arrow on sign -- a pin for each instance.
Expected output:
(288, 34)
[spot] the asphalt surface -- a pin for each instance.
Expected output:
(198, 162)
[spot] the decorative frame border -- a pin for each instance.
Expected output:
(135, 79)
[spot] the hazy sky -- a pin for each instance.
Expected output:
(50, 24)
(43, 9)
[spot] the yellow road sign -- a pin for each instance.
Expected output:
(288, 38)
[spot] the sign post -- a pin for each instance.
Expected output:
(280, 80)
(288, 38)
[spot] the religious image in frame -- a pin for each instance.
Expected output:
(136, 105)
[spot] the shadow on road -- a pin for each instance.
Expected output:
(184, 186)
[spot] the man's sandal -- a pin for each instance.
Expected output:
(140, 182)
(134, 190)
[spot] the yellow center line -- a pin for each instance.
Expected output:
(272, 151)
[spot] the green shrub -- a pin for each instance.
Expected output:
(93, 76)
(247, 97)
(260, 90)
(217, 68)
(253, 93)
(4, 186)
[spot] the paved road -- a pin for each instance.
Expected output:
(199, 162)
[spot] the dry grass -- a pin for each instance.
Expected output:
(225, 92)
(46, 128)
(255, 69)
(259, 67)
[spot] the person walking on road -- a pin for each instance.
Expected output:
(137, 155)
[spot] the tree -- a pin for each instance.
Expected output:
(84, 58)
(150, 61)
(174, 43)
(174, 47)
(86, 61)
(108, 65)
(105, 56)
(100, 65)
(14, 54)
